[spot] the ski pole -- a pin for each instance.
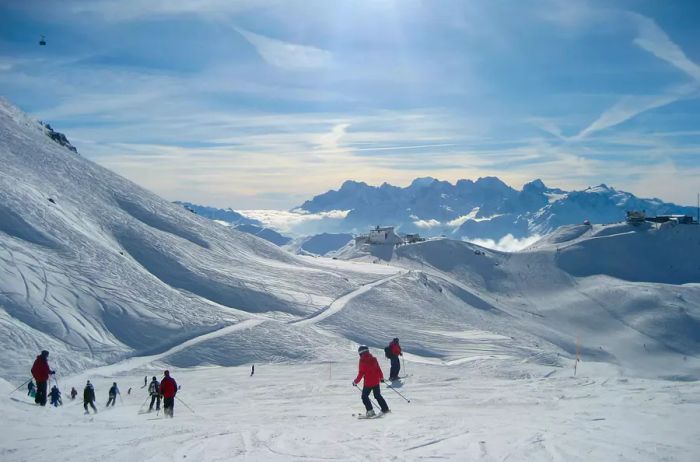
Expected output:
(396, 391)
(184, 404)
(23, 385)
(144, 403)
(374, 403)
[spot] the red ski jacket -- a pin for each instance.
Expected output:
(370, 370)
(395, 348)
(168, 387)
(40, 369)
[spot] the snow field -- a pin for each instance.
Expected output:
(304, 412)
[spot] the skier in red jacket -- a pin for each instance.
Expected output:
(373, 376)
(168, 389)
(41, 372)
(395, 350)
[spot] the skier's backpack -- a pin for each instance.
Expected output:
(387, 352)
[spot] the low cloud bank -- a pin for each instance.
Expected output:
(297, 222)
(507, 243)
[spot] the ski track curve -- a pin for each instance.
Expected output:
(134, 362)
(339, 303)
(138, 361)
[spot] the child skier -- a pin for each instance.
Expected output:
(168, 389)
(89, 398)
(30, 389)
(154, 391)
(373, 376)
(113, 392)
(73, 393)
(55, 397)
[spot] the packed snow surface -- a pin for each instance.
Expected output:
(120, 284)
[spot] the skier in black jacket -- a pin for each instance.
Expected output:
(89, 398)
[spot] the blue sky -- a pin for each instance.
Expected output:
(264, 103)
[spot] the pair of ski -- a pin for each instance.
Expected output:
(364, 416)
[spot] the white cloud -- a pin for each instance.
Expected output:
(296, 222)
(651, 38)
(654, 40)
(631, 106)
(126, 10)
(507, 243)
(427, 224)
(286, 55)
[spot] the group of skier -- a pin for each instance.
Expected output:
(369, 372)
(165, 390)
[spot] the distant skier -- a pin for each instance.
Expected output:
(252, 370)
(128, 392)
(168, 389)
(373, 376)
(41, 372)
(31, 390)
(154, 391)
(55, 397)
(73, 393)
(89, 397)
(393, 351)
(113, 392)
(145, 381)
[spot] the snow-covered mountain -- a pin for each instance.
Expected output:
(483, 209)
(96, 268)
(118, 283)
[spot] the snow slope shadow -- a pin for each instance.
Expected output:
(14, 225)
(159, 222)
(170, 271)
(666, 258)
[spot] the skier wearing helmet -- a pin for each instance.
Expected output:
(371, 372)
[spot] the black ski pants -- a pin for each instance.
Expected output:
(377, 395)
(92, 405)
(155, 399)
(112, 399)
(168, 406)
(395, 367)
(40, 397)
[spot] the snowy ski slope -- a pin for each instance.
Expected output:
(118, 284)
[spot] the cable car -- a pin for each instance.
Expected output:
(42, 42)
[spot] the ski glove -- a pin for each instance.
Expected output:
(52, 372)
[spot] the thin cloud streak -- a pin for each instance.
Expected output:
(287, 55)
(654, 40)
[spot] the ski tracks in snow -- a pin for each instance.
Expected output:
(139, 361)
(339, 303)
